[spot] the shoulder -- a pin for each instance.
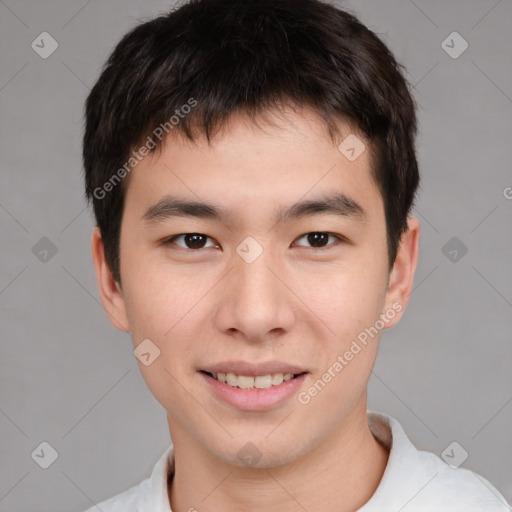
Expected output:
(126, 501)
(150, 494)
(421, 481)
(457, 489)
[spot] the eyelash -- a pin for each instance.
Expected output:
(339, 238)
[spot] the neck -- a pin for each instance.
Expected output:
(340, 475)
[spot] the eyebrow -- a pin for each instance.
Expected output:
(334, 204)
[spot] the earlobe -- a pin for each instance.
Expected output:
(402, 275)
(110, 292)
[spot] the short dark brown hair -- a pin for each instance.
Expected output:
(211, 58)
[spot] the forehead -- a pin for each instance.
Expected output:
(279, 159)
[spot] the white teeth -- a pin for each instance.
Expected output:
(263, 381)
(247, 382)
(231, 379)
(277, 379)
(244, 382)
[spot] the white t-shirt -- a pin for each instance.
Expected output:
(413, 481)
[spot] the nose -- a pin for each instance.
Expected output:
(255, 303)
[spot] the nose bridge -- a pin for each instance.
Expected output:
(256, 301)
(255, 282)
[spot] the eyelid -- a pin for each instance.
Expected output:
(172, 239)
(339, 238)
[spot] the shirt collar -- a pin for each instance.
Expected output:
(384, 428)
(402, 469)
(157, 498)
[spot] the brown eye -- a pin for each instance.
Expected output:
(318, 239)
(190, 241)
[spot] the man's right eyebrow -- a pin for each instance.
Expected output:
(170, 206)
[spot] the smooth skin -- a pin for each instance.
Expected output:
(296, 303)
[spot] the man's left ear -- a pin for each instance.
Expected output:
(402, 274)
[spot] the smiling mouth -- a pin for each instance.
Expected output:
(251, 382)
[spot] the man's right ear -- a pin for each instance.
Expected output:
(110, 292)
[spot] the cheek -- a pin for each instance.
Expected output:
(351, 309)
(348, 299)
(161, 308)
(156, 297)
(167, 308)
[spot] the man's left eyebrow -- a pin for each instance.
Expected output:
(336, 204)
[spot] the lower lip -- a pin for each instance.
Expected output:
(255, 399)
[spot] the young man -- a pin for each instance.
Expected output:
(252, 169)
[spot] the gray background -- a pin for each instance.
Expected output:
(69, 378)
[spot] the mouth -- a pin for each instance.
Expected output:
(254, 387)
(249, 386)
(253, 382)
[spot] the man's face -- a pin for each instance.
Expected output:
(252, 294)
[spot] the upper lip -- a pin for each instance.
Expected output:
(254, 369)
